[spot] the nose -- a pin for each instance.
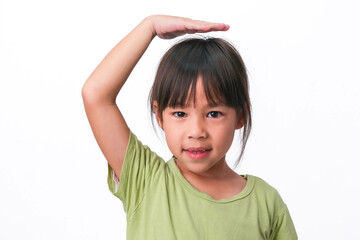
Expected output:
(197, 128)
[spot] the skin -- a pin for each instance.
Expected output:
(199, 136)
(103, 85)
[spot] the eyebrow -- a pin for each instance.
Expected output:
(216, 104)
(210, 105)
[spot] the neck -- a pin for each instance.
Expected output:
(220, 171)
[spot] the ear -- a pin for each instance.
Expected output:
(240, 122)
(157, 114)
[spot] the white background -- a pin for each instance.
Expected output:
(303, 62)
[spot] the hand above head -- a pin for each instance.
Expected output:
(168, 27)
(103, 85)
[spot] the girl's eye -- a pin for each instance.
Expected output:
(214, 114)
(179, 114)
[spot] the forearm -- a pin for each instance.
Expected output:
(105, 82)
(101, 88)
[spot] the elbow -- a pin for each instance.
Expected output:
(85, 92)
(89, 94)
(94, 94)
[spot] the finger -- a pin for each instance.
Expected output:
(192, 31)
(203, 26)
(214, 29)
(171, 35)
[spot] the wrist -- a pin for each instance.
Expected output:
(149, 24)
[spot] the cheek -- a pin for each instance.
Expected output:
(173, 136)
(225, 135)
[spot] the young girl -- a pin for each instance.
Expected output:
(199, 97)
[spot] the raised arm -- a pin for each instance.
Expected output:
(102, 87)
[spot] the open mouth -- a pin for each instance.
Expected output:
(197, 153)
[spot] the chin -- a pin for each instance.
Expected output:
(198, 167)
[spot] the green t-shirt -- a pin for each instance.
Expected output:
(160, 204)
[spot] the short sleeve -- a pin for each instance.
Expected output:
(283, 228)
(140, 169)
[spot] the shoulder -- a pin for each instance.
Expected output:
(270, 203)
(139, 158)
(261, 184)
(263, 190)
(135, 146)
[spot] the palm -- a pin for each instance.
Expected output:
(168, 27)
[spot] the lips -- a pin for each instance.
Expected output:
(197, 153)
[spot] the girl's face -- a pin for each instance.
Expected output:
(199, 135)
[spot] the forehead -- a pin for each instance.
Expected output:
(200, 91)
(198, 95)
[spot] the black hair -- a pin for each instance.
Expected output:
(223, 74)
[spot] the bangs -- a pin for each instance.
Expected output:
(187, 62)
(183, 95)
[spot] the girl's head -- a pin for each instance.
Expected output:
(219, 67)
